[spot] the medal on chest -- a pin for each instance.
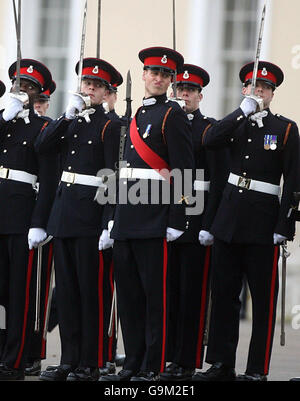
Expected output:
(270, 142)
(147, 132)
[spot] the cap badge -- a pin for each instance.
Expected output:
(95, 70)
(186, 75)
(264, 72)
(30, 69)
(164, 59)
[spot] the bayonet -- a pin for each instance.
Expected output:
(127, 115)
(128, 96)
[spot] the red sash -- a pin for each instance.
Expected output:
(147, 154)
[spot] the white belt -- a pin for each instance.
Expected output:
(254, 185)
(141, 173)
(17, 175)
(83, 179)
(201, 185)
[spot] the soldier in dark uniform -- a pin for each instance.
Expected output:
(159, 140)
(250, 223)
(191, 254)
(38, 344)
(87, 143)
(24, 214)
(111, 99)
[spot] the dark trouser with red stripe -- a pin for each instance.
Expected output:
(16, 295)
(38, 343)
(109, 343)
(140, 273)
(79, 270)
(259, 264)
(189, 281)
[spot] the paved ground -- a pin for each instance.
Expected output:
(285, 362)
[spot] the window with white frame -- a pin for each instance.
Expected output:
(238, 47)
(53, 26)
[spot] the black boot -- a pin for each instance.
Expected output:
(83, 375)
(217, 372)
(7, 373)
(56, 373)
(33, 368)
(145, 377)
(177, 373)
(108, 369)
(123, 376)
(251, 377)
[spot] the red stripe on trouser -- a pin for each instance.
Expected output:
(165, 263)
(49, 266)
(100, 302)
(203, 307)
(271, 310)
(27, 291)
(111, 339)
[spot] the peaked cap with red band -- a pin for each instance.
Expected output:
(95, 68)
(32, 70)
(161, 58)
(192, 75)
(113, 87)
(267, 72)
(2, 88)
(46, 94)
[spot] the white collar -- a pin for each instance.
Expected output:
(149, 101)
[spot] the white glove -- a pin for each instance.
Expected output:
(248, 105)
(35, 237)
(12, 108)
(206, 238)
(278, 238)
(173, 234)
(75, 105)
(105, 241)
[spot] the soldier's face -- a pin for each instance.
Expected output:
(262, 90)
(191, 96)
(41, 106)
(156, 82)
(95, 89)
(27, 86)
(111, 99)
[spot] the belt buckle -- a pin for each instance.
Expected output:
(70, 177)
(4, 172)
(244, 182)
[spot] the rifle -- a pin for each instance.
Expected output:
(38, 284)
